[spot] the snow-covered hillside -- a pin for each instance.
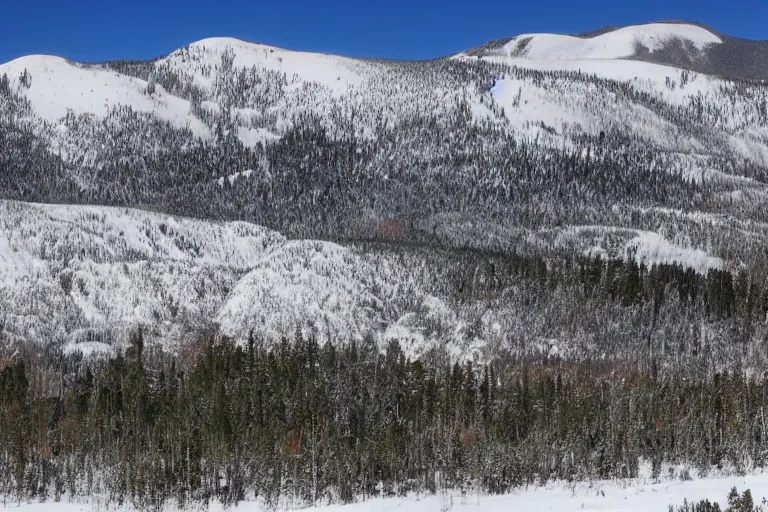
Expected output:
(203, 60)
(258, 92)
(622, 43)
(85, 276)
(57, 86)
(690, 46)
(90, 274)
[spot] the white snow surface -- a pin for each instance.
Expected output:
(318, 287)
(643, 494)
(651, 248)
(84, 276)
(332, 71)
(251, 137)
(548, 108)
(58, 86)
(644, 247)
(616, 44)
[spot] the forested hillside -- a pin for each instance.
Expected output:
(311, 424)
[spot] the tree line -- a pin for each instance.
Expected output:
(338, 422)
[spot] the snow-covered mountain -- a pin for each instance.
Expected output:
(683, 45)
(621, 43)
(84, 277)
(640, 143)
(219, 87)
(257, 93)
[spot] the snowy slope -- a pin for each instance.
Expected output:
(561, 101)
(101, 271)
(264, 89)
(74, 274)
(84, 276)
(685, 45)
(78, 275)
(646, 247)
(335, 72)
(318, 287)
(566, 98)
(58, 86)
(616, 44)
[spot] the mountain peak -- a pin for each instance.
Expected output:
(606, 43)
(681, 44)
(611, 28)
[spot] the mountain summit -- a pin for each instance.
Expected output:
(690, 46)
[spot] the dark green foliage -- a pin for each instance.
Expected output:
(736, 503)
(316, 422)
(5, 87)
(702, 506)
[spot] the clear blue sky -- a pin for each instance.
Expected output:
(92, 30)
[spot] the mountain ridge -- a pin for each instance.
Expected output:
(491, 43)
(426, 176)
(734, 58)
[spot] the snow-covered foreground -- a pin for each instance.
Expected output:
(631, 495)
